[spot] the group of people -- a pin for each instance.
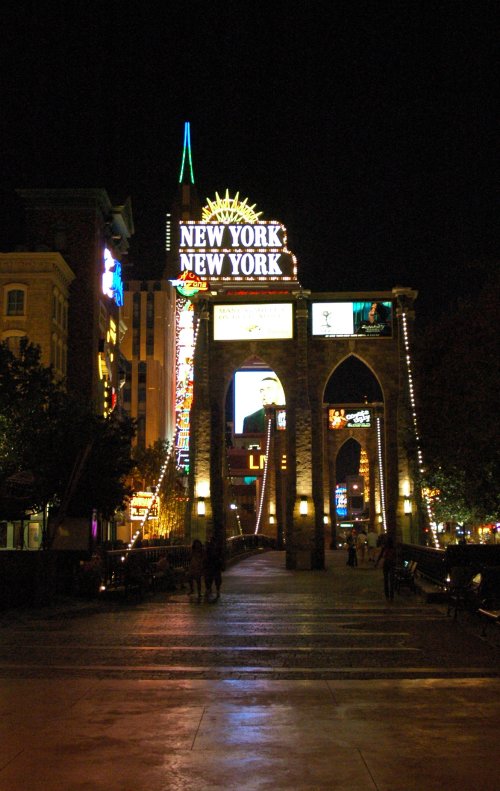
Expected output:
(361, 544)
(206, 564)
(380, 548)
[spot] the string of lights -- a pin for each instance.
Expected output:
(381, 473)
(156, 494)
(411, 390)
(264, 475)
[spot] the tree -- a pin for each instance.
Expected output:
(458, 385)
(149, 463)
(54, 449)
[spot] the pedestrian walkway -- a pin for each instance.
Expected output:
(293, 680)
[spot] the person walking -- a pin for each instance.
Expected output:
(352, 558)
(214, 566)
(388, 555)
(196, 566)
(371, 539)
(361, 545)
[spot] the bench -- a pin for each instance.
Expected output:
(488, 617)
(404, 576)
(462, 586)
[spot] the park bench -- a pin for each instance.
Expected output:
(462, 584)
(404, 576)
(488, 617)
(488, 597)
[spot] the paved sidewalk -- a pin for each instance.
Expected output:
(84, 707)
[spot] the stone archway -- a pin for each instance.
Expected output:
(254, 486)
(353, 397)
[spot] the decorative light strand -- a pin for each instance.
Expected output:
(411, 390)
(264, 475)
(154, 499)
(381, 473)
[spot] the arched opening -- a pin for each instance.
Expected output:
(254, 412)
(354, 398)
(353, 382)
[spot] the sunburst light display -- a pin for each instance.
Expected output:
(229, 210)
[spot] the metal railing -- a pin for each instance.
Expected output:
(435, 564)
(179, 556)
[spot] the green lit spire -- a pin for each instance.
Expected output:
(187, 148)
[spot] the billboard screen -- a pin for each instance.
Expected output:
(341, 499)
(348, 418)
(253, 390)
(253, 322)
(369, 319)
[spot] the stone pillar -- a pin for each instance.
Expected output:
(300, 544)
(405, 298)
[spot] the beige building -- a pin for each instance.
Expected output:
(149, 349)
(34, 293)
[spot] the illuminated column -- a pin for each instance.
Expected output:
(200, 489)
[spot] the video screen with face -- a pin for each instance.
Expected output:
(368, 319)
(253, 390)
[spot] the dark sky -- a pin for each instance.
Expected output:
(367, 128)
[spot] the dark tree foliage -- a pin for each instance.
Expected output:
(102, 483)
(148, 463)
(458, 385)
(54, 450)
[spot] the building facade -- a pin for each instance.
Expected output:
(148, 346)
(34, 294)
(93, 236)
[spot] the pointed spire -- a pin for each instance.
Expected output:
(189, 178)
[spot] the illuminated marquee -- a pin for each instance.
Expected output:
(184, 352)
(112, 284)
(243, 462)
(231, 243)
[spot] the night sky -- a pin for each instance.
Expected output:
(368, 128)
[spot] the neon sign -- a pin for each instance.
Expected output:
(232, 243)
(112, 283)
(184, 353)
(189, 284)
(341, 499)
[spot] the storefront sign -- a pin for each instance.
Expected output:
(139, 505)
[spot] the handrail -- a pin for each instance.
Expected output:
(179, 555)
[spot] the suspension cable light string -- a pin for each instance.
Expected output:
(381, 473)
(154, 498)
(427, 499)
(163, 468)
(264, 475)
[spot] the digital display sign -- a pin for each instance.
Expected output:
(112, 284)
(367, 319)
(267, 321)
(253, 391)
(339, 418)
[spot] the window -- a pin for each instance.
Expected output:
(14, 342)
(15, 302)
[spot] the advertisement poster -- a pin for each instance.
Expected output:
(253, 322)
(369, 319)
(253, 391)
